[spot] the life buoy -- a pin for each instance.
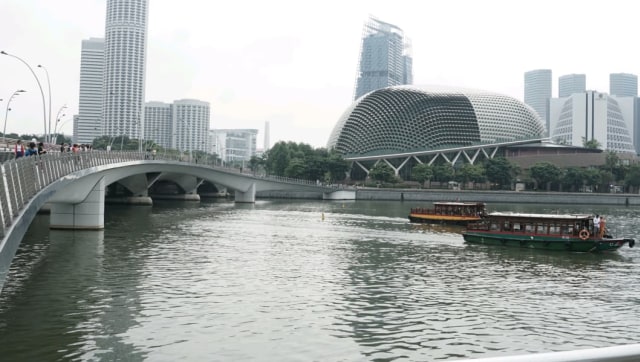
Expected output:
(584, 234)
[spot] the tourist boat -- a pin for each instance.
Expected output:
(543, 231)
(453, 213)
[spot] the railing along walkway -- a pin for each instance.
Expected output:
(22, 178)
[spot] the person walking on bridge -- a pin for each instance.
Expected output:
(19, 150)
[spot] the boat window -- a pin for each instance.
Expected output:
(528, 228)
(495, 226)
(516, 226)
(555, 229)
(506, 226)
(541, 228)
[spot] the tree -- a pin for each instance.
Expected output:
(337, 167)
(632, 178)
(278, 159)
(544, 173)
(573, 178)
(500, 171)
(382, 172)
(469, 172)
(592, 143)
(443, 173)
(592, 177)
(422, 172)
(295, 168)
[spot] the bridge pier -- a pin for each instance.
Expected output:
(248, 196)
(87, 215)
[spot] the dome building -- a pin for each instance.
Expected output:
(401, 119)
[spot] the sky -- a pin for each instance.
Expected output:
(293, 63)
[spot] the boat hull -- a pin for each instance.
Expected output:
(546, 242)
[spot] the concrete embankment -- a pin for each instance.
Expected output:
(529, 197)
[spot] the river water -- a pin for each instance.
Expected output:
(307, 281)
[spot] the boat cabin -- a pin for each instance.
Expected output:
(538, 224)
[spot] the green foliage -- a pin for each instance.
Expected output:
(544, 173)
(500, 171)
(469, 172)
(382, 172)
(443, 173)
(302, 161)
(573, 178)
(422, 172)
(592, 143)
(633, 176)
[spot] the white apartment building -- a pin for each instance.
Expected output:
(88, 125)
(593, 115)
(157, 123)
(190, 125)
(233, 144)
(125, 50)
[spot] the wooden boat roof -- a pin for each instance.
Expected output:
(457, 203)
(534, 217)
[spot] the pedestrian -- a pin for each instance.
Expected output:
(596, 225)
(602, 226)
(31, 150)
(41, 150)
(19, 151)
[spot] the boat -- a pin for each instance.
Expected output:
(570, 232)
(452, 213)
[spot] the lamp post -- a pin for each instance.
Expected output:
(44, 112)
(6, 114)
(55, 128)
(47, 136)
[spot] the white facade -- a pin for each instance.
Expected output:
(157, 123)
(593, 115)
(571, 83)
(234, 145)
(125, 54)
(537, 92)
(88, 125)
(190, 125)
(623, 85)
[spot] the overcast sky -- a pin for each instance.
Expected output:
(293, 63)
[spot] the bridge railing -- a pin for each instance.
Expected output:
(22, 178)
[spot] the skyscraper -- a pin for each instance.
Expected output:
(623, 85)
(537, 92)
(385, 58)
(125, 52)
(87, 126)
(570, 84)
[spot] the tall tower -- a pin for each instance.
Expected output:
(570, 84)
(125, 53)
(88, 126)
(385, 58)
(623, 85)
(537, 92)
(267, 141)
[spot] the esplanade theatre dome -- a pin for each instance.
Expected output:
(403, 119)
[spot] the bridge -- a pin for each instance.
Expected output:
(74, 186)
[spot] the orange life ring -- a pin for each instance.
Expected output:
(584, 234)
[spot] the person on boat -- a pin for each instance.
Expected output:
(602, 226)
(596, 225)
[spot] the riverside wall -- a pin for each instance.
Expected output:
(431, 195)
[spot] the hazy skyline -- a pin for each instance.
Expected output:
(294, 63)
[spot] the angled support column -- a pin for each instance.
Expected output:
(87, 215)
(248, 196)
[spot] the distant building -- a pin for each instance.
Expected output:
(267, 132)
(537, 92)
(571, 83)
(125, 50)
(88, 125)
(182, 125)
(233, 145)
(623, 85)
(385, 58)
(594, 116)
(158, 125)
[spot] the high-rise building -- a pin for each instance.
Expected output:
(235, 145)
(623, 85)
(157, 123)
(190, 125)
(267, 141)
(88, 126)
(385, 58)
(125, 53)
(592, 115)
(571, 83)
(537, 92)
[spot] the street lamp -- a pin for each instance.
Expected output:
(47, 136)
(55, 128)
(6, 114)
(44, 112)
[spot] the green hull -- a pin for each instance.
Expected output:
(545, 242)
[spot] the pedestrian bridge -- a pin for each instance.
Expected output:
(74, 186)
